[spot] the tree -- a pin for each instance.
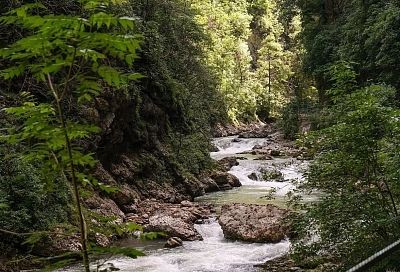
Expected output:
(249, 55)
(71, 58)
(357, 212)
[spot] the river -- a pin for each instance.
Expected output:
(215, 253)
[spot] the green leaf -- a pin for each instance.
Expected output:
(135, 76)
(111, 75)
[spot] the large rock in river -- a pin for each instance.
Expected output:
(254, 223)
(226, 164)
(173, 227)
(224, 180)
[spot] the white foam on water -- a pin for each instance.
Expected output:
(213, 254)
(228, 147)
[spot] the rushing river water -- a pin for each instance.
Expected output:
(215, 253)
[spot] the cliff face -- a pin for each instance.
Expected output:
(154, 140)
(155, 137)
(137, 154)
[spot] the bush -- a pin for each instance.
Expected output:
(356, 172)
(26, 204)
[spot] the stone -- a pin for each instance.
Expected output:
(173, 227)
(258, 132)
(275, 152)
(253, 176)
(226, 164)
(125, 196)
(214, 148)
(209, 184)
(223, 179)
(221, 130)
(129, 209)
(199, 221)
(57, 243)
(254, 223)
(257, 147)
(173, 242)
(186, 203)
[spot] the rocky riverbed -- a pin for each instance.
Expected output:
(238, 224)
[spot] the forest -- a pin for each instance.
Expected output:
(199, 136)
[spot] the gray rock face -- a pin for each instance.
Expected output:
(226, 164)
(209, 184)
(173, 227)
(254, 223)
(225, 180)
(173, 242)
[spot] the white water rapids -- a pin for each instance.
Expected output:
(215, 253)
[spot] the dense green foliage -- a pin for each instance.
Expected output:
(252, 52)
(69, 57)
(363, 32)
(352, 54)
(26, 204)
(357, 213)
(168, 113)
(87, 83)
(179, 89)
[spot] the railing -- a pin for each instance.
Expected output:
(368, 263)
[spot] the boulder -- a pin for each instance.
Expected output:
(214, 148)
(209, 184)
(254, 223)
(57, 243)
(173, 227)
(173, 242)
(253, 176)
(129, 208)
(125, 196)
(226, 164)
(257, 147)
(222, 179)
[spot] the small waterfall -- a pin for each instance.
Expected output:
(230, 146)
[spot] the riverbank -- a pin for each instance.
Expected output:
(205, 245)
(240, 161)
